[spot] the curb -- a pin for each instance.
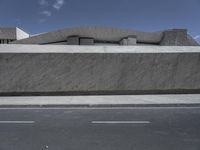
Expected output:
(102, 93)
(101, 105)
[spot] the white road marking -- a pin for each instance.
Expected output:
(120, 122)
(17, 122)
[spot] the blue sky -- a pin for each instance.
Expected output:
(35, 16)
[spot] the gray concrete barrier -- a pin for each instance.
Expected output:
(68, 70)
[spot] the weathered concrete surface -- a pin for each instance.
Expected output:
(177, 37)
(79, 70)
(21, 48)
(12, 33)
(8, 33)
(103, 100)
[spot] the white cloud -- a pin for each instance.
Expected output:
(197, 37)
(43, 3)
(46, 13)
(42, 20)
(58, 4)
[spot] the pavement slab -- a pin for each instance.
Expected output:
(174, 99)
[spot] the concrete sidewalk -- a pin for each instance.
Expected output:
(116, 100)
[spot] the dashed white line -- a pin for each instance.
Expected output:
(17, 122)
(120, 122)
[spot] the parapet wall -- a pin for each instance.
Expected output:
(98, 70)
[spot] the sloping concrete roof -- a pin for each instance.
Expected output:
(192, 41)
(98, 33)
(21, 34)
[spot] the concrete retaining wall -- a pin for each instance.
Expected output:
(101, 72)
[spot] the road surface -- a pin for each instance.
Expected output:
(100, 128)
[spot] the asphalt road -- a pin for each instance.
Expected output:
(100, 129)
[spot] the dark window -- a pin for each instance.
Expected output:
(86, 41)
(73, 40)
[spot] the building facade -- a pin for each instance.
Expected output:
(8, 35)
(99, 36)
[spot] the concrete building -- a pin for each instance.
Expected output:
(8, 35)
(100, 36)
(111, 61)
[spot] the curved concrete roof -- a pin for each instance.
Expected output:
(98, 33)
